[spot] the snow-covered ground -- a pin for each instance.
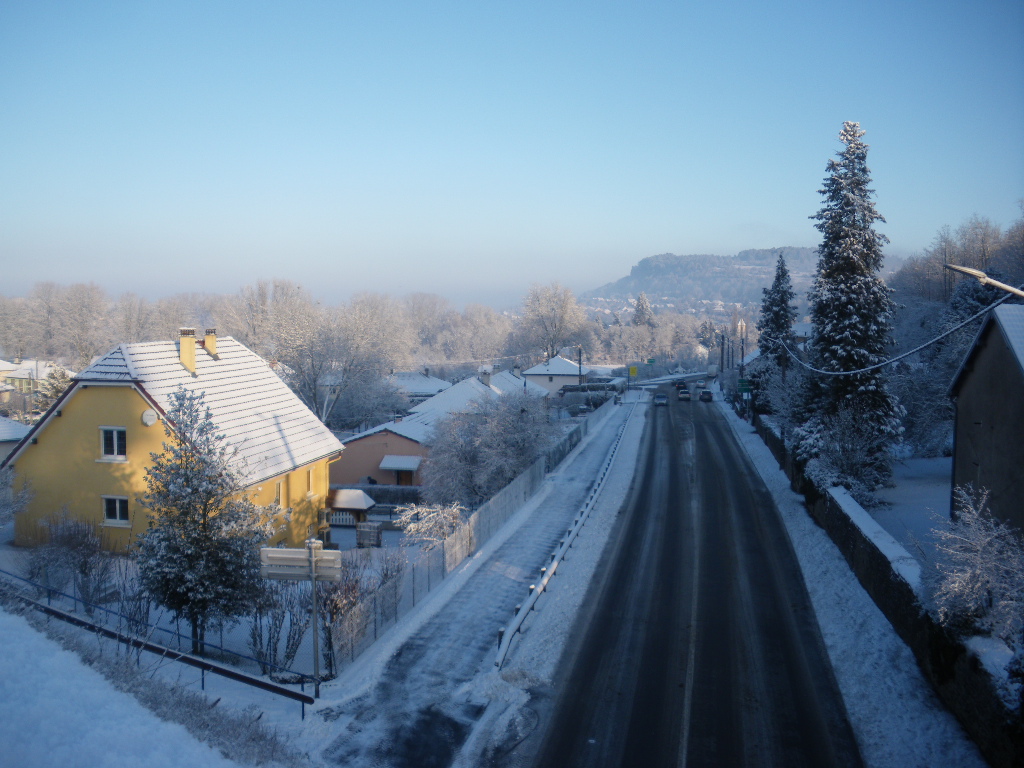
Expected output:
(897, 718)
(55, 711)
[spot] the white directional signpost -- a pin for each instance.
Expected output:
(314, 563)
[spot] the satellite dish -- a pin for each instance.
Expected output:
(149, 417)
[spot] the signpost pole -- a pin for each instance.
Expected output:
(312, 546)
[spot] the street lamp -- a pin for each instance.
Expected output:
(984, 279)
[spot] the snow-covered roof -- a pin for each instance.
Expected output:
(6, 366)
(11, 430)
(419, 424)
(351, 498)
(249, 403)
(398, 463)
(418, 384)
(556, 366)
(31, 369)
(416, 427)
(1010, 319)
(507, 382)
(456, 398)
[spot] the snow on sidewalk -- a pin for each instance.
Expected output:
(56, 712)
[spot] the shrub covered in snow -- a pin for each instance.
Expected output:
(979, 584)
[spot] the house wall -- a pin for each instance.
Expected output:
(362, 458)
(556, 383)
(988, 450)
(66, 467)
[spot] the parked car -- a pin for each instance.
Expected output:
(684, 394)
(660, 399)
(706, 396)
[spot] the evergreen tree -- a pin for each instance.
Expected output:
(52, 387)
(199, 558)
(642, 312)
(778, 312)
(707, 334)
(852, 311)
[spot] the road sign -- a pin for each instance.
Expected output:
(294, 564)
(650, 361)
(632, 370)
(314, 563)
(744, 386)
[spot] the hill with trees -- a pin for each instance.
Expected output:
(693, 281)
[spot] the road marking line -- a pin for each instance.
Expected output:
(691, 653)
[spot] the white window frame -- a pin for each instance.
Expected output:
(115, 457)
(117, 522)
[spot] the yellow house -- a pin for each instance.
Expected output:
(90, 451)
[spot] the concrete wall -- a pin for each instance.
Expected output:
(957, 675)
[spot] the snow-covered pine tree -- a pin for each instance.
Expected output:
(642, 312)
(778, 312)
(775, 336)
(52, 387)
(199, 557)
(851, 310)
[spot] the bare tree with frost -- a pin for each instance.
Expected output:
(429, 525)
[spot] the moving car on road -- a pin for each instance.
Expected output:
(684, 394)
(706, 396)
(660, 399)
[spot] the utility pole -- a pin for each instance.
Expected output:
(742, 328)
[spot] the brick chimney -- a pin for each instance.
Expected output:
(485, 375)
(187, 348)
(210, 342)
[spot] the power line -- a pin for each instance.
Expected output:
(896, 359)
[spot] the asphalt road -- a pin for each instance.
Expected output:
(699, 646)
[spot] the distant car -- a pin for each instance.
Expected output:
(701, 384)
(681, 384)
(684, 394)
(706, 396)
(660, 399)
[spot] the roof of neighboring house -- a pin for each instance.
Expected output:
(456, 398)
(418, 384)
(31, 369)
(1010, 320)
(250, 405)
(6, 366)
(418, 425)
(507, 382)
(11, 430)
(556, 366)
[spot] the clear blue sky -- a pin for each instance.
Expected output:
(472, 148)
